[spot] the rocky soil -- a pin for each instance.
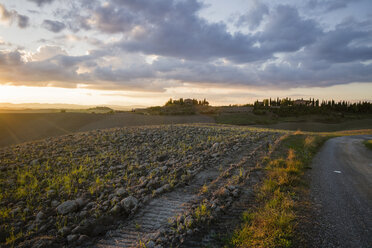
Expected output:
(155, 186)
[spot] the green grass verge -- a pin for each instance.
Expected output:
(272, 223)
(368, 144)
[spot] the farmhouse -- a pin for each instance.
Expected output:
(301, 102)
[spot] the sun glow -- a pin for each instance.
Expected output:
(81, 96)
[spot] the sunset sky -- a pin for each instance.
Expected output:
(142, 52)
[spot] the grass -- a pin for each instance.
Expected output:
(368, 144)
(272, 223)
(312, 123)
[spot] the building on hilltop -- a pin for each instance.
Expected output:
(188, 101)
(302, 102)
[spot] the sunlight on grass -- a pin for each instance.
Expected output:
(272, 223)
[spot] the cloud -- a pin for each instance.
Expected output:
(5, 15)
(53, 26)
(286, 31)
(349, 41)
(110, 19)
(102, 70)
(177, 31)
(47, 52)
(254, 15)
(10, 16)
(329, 5)
(41, 2)
(23, 21)
(282, 48)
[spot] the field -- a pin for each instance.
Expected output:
(67, 189)
(310, 123)
(87, 184)
(18, 127)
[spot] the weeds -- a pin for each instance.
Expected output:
(368, 144)
(272, 223)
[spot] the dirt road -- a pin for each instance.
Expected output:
(342, 191)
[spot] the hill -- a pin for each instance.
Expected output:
(70, 189)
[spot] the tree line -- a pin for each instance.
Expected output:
(188, 101)
(313, 106)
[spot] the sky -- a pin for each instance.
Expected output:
(142, 52)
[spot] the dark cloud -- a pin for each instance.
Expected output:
(329, 5)
(111, 19)
(286, 31)
(284, 48)
(11, 16)
(63, 70)
(178, 31)
(254, 16)
(23, 21)
(41, 2)
(53, 26)
(183, 34)
(346, 43)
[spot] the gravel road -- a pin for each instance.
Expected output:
(341, 188)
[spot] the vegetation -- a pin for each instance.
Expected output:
(272, 223)
(368, 144)
(180, 107)
(38, 176)
(288, 107)
(101, 110)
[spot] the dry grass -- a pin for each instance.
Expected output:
(272, 223)
(368, 144)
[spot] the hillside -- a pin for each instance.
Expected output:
(69, 189)
(16, 128)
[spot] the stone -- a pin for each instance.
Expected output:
(129, 203)
(116, 209)
(43, 228)
(162, 189)
(34, 162)
(90, 205)
(121, 191)
(55, 203)
(15, 211)
(81, 202)
(150, 244)
(40, 216)
(215, 146)
(83, 239)
(67, 207)
(162, 158)
(224, 192)
(72, 238)
(83, 214)
(235, 193)
(231, 187)
(64, 231)
(51, 192)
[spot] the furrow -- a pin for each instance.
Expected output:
(155, 216)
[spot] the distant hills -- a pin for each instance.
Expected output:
(46, 106)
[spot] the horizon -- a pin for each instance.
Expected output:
(127, 53)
